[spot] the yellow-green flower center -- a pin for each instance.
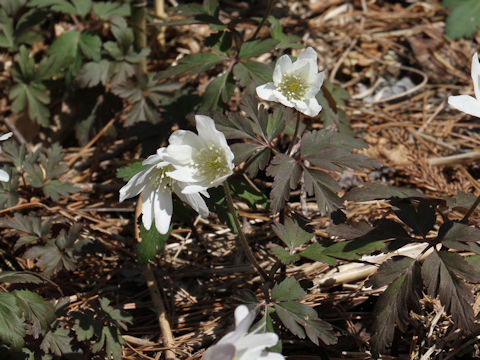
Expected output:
(159, 178)
(293, 87)
(211, 163)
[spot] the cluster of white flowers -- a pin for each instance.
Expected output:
(466, 103)
(188, 166)
(241, 345)
(295, 84)
(3, 174)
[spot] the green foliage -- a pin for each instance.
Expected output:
(463, 19)
(152, 241)
(129, 171)
(293, 236)
(71, 7)
(16, 28)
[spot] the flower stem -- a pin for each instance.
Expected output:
(241, 235)
(471, 210)
(295, 134)
(265, 16)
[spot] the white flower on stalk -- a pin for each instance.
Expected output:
(157, 188)
(240, 345)
(3, 174)
(204, 160)
(295, 84)
(466, 103)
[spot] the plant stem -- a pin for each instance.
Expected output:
(471, 210)
(265, 16)
(139, 21)
(295, 134)
(241, 235)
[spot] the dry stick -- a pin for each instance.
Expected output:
(241, 235)
(267, 12)
(455, 159)
(159, 8)
(152, 285)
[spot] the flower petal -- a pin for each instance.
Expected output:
(184, 137)
(185, 174)
(259, 341)
(266, 91)
(315, 85)
(308, 54)
(196, 202)
(152, 160)
(194, 188)
(281, 67)
(241, 313)
(220, 352)
(282, 99)
(147, 207)
(179, 154)
(162, 210)
(309, 107)
(6, 136)
(208, 133)
(465, 103)
(4, 176)
(135, 185)
(476, 75)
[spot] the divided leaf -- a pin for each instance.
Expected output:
(291, 234)
(152, 241)
(288, 290)
(464, 18)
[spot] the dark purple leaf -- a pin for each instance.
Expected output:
(286, 173)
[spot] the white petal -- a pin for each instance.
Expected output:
(208, 132)
(260, 341)
(179, 154)
(282, 99)
(147, 207)
(220, 352)
(152, 160)
(476, 75)
(184, 137)
(308, 54)
(219, 180)
(162, 210)
(196, 202)
(241, 312)
(316, 85)
(4, 176)
(266, 92)
(309, 107)
(6, 136)
(184, 173)
(271, 356)
(194, 188)
(304, 69)
(135, 185)
(281, 67)
(465, 103)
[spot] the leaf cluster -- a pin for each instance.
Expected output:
(463, 19)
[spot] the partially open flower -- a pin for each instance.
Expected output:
(204, 160)
(466, 103)
(240, 345)
(157, 189)
(3, 174)
(295, 84)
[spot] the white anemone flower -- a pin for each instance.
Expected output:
(240, 345)
(204, 160)
(157, 188)
(466, 103)
(3, 174)
(295, 84)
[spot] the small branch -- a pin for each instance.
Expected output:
(471, 210)
(159, 9)
(241, 235)
(139, 21)
(455, 159)
(295, 134)
(265, 16)
(152, 285)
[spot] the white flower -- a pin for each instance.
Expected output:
(157, 189)
(295, 84)
(467, 103)
(204, 160)
(240, 345)
(3, 174)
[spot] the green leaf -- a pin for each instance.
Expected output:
(257, 47)
(243, 190)
(464, 18)
(11, 326)
(325, 189)
(458, 235)
(259, 73)
(193, 63)
(36, 310)
(33, 98)
(128, 171)
(291, 234)
(285, 256)
(94, 73)
(286, 40)
(105, 10)
(288, 290)
(220, 42)
(57, 342)
(394, 305)
(114, 315)
(85, 325)
(19, 277)
(440, 273)
(286, 173)
(379, 191)
(220, 89)
(217, 203)
(296, 317)
(210, 6)
(152, 241)
(317, 252)
(72, 7)
(54, 189)
(420, 218)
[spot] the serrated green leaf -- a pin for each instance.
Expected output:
(220, 42)
(19, 277)
(291, 234)
(31, 97)
(285, 256)
(242, 190)
(54, 189)
(257, 47)
(152, 241)
(440, 278)
(72, 7)
(286, 40)
(114, 315)
(286, 173)
(105, 10)
(57, 342)
(325, 189)
(259, 73)
(94, 73)
(85, 325)
(420, 218)
(288, 290)
(297, 317)
(128, 171)
(220, 89)
(210, 6)
(218, 204)
(317, 252)
(11, 326)
(464, 18)
(193, 63)
(458, 235)
(35, 310)
(379, 191)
